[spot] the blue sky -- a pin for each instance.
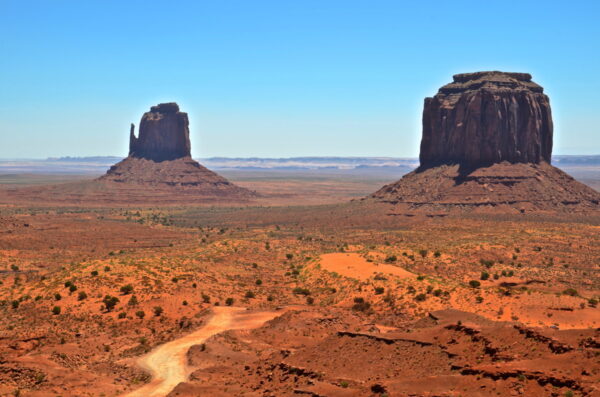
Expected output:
(279, 78)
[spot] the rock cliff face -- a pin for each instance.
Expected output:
(163, 135)
(485, 118)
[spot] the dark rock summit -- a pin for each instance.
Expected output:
(487, 117)
(487, 143)
(163, 135)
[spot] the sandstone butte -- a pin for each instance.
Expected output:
(487, 143)
(160, 159)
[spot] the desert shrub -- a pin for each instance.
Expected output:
(510, 273)
(593, 302)
(379, 290)
(57, 297)
(474, 284)
(122, 315)
(310, 300)
(437, 292)
(423, 253)
(158, 310)
(420, 297)
(411, 289)
(479, 299)
(140, 314)
(127, 289)
(301, 291)
(486, 263)
(570, 292)
(496, 276)
(229, 301)
(429, 289)
(94, 273)
(437, 254)
(485, 275)
(81, 296)
(420, 278)
(110, 302)
(360, 305)
(270, 298)
(254, 265)
(174, 279)
(205, 298)
(258, 282)
(72, 288)
(184, 303)
(391, 259)
(133, 301)
(68, 284)
(56, 310)
(15, 304)
(249, 295)
(289, 256)
(344, 384)
(107, 268)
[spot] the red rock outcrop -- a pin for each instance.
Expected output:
(164, 134)
(160, 165)
(487, 143)
(485, 118)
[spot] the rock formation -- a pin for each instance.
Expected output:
(159, 163)
(164, 134)
(487, 142)
(485, 118)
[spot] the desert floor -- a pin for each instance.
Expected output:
(302, 292)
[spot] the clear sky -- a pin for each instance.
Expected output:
(279, 78)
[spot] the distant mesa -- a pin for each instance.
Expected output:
(487, 142)
(160, 158)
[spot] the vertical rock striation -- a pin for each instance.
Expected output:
(487, 143)
(485, 118)
(163, 135)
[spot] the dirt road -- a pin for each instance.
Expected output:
(167, 363)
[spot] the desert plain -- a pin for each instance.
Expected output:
(331, 295)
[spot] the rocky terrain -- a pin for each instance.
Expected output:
(487, 144)
(328, 300)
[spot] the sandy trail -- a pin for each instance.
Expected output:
(167, 363)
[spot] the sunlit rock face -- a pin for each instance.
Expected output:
(485, 118)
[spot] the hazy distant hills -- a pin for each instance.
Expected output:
(98, 165)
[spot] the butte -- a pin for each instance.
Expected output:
(159, 170)
(160, 162)
(487, 143)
